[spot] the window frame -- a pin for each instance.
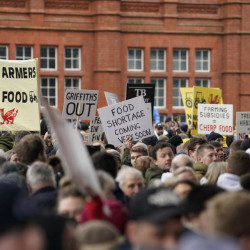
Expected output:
(72, 58)
(72, 78)
(202, 79)
(179, 62)
(7, 52)
(164, 91)
(179, 83)
(56, 90)
(47, 58)
(157, 60)
(23, 48)
(135, 78)
(202, 60)
(142, 60)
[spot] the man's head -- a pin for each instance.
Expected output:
(130, 181)
(195, 205)
(136, 152)
(154, 221)
(219, 150)
(181, 160)
(163, 155)
(215, 137)
(30, 148)
(238, 163)
(235, 146)
(159, 129)
(40, 175)
(193, 145)
(206, 154)
(228, 215)
(168, 122)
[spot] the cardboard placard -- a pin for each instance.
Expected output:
(95, 130)
(242, 124)
(215, 117)
(19, 108)
(111, 98)
(127, 118)
(80, 104)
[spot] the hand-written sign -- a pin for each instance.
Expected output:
(242, 124)
(111, 98)
(95, 130)
(80, 103)
(19, 108)
(127, 118)
(215, 117)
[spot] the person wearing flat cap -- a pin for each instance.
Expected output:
(155, 220)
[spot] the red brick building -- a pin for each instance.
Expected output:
(103, 44)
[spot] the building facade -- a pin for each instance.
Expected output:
(103, 44)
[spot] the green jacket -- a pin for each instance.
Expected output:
(200, 169)
(6, 142)
(153, 172)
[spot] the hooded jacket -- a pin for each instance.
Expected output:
(229, 182)
(200, 169)
(153, 172)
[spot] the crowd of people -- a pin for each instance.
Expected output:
(171, 191)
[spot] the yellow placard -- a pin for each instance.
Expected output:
(187, 98)
(19, 105)
(205, 96)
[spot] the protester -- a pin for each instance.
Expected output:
(219, 150)
(143, 163)
(235, 146)
(162, 155)
(205, 155)
(185, 173)
(215, 137)
(183, 187)
(42, 186)
(193, 144)
(238, 164)
(215, 169)
(158, 129)
(137, 151)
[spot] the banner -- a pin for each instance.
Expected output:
(111, 98)
(80, 104)
(216, 118)
(95, 130)
(242, 124)
(187, 99)
(19, 108)
(76, 161)
(146, 90)
(127, 118)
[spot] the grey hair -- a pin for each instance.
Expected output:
(126, 172)
(106, 180)
(188, 162)
(39, 173)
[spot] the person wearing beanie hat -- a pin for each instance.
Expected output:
(168, 124)
(215, 137)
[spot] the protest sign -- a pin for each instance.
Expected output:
(80, 104)
(75, 158)
(127, 118)
(187, 99)
(111, 98)
(145, 90)
(19, 108)
(215, 117)
(205, 96)
(95, 130)
(242, 124)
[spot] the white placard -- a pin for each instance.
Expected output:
(80, 104)
(76, 161)
(95, 130)
(242, 124)
(215, 117)
(111, 98)
(127, 118)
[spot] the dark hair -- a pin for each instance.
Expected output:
(106, 162)
(29, 148)
(195, 141)
(245, 145)
(196, 199)
(160, 145)
(239, 163)
(19, 135)
(235, 145)
(216, 144)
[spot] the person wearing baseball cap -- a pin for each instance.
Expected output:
(155, 220)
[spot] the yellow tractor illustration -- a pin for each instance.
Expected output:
(189, 101)
(199, 99)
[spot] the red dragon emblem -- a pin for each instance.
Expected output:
(9, 116)
(213, 100)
